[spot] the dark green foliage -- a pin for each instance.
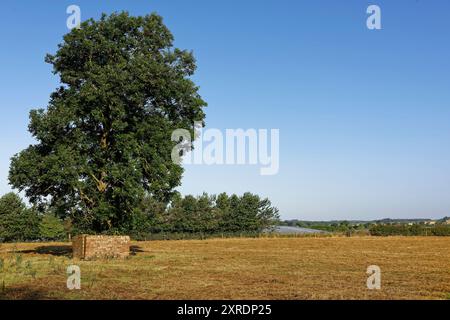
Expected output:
(440, 230)
(11, 203)
(104, 141)
(409, 230)
(209, 215)
(52, 228)
(198, 217)
(17, 222)
(191, 214)
(340, 227)
(186, 217)
(68, 227)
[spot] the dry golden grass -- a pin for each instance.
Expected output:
(272, 268)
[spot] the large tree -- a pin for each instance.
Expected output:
(104, 141)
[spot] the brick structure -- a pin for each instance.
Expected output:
(91, 247)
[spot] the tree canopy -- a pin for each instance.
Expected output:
(17, 222)
(104, 140)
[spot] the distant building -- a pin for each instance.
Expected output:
(430, 223)
(446, 221)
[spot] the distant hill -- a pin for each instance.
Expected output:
(352, 225)
(296, 222)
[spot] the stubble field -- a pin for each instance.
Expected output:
(265, 268)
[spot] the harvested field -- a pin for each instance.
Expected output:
(264, 268)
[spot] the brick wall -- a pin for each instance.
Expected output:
(91, 247)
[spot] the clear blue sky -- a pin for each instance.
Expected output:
(364, 116)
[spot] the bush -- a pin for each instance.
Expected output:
(407, 230)
(52, 228)
(17, 222)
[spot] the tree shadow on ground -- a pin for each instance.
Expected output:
(134, 250)
(66, 251)
(51, 250)
(23, 293)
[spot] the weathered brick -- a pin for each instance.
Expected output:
(91, 247)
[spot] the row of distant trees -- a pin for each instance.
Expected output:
(409, 230)
(205, 214)
(329, 226)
